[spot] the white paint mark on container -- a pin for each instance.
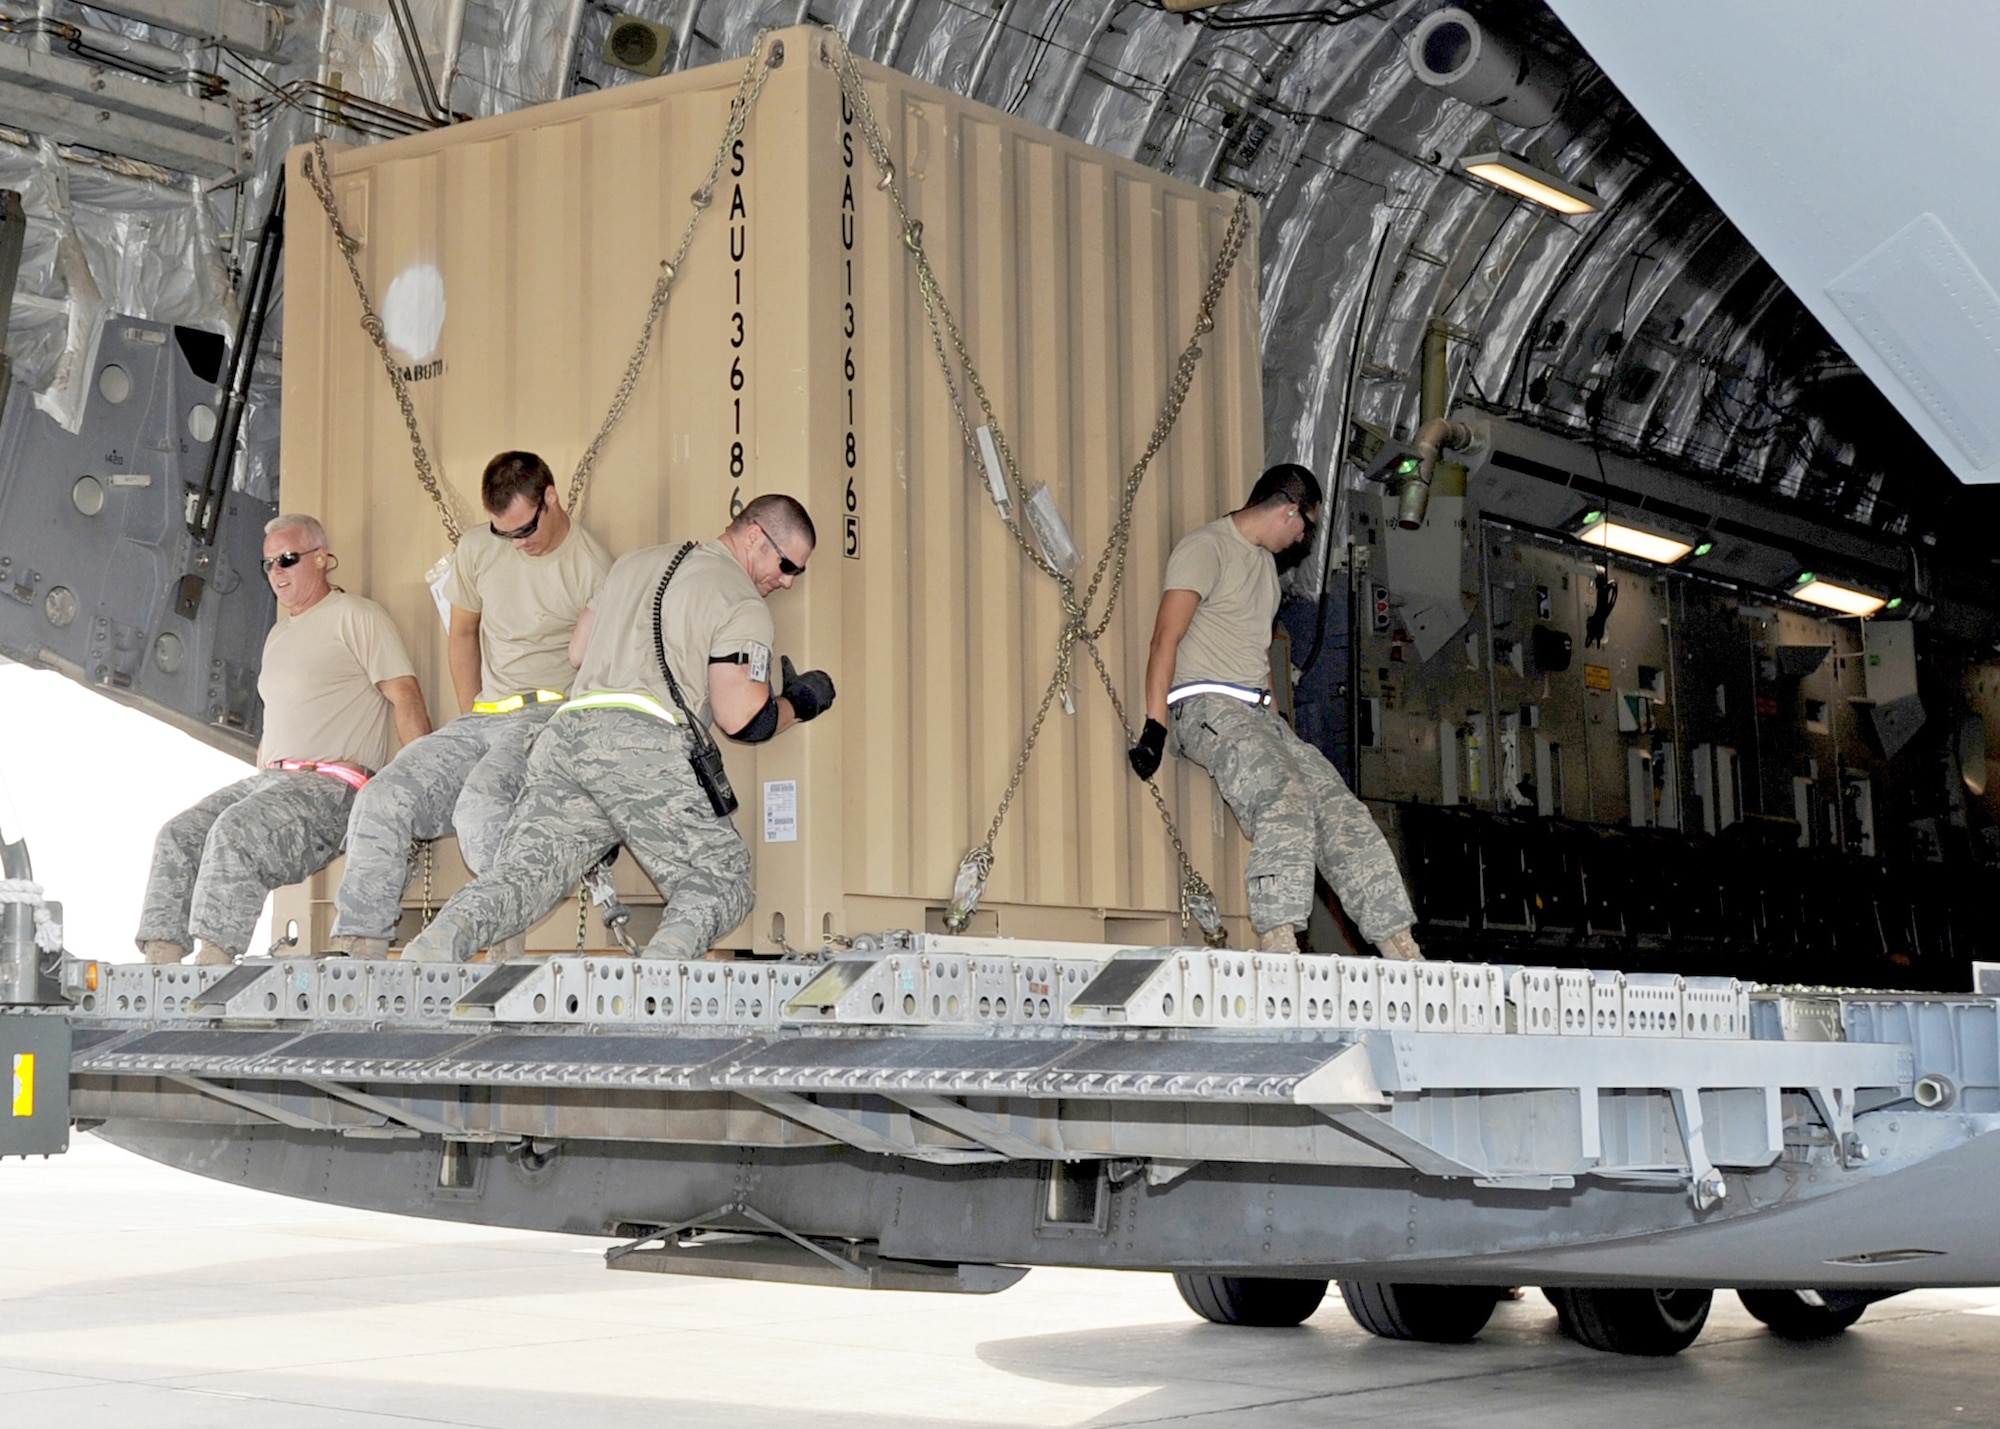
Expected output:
(413, 311)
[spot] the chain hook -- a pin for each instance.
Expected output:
(969, 887)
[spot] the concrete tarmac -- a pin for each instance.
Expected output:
(135, 1295)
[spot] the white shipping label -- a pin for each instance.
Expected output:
(781, 811)
(435, 578)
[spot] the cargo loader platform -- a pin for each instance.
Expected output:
(930, 1111)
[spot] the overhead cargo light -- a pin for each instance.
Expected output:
(1597, 529)
(1844, 599)
(1518, 176)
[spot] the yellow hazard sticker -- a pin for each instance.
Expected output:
(24, 1084)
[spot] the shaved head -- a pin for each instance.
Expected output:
(780, 515)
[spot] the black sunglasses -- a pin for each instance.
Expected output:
(285, 560)
(785, 566)
(521, 535)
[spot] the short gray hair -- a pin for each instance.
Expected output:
(295, 521)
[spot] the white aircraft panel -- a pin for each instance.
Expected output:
(1849, 141)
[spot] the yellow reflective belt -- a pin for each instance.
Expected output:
(638, 704)
(514, 702)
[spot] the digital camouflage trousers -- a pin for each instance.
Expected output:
(461, 779)
(214, 864)
(597, 779)
(1299, 815)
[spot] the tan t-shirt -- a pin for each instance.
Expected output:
(318, 683)
(712, 608)
(1230, 635)
(527, 606)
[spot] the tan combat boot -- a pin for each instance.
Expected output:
(374, 950)
(1284, 938)
(1400, 947)
(506, 948)
(159, 951)
(207, 954)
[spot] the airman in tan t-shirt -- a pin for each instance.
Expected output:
(1208, 675)
(319, 682)
(614, 766)
(712, 611)
(336, 683)
(515, 590)
(527, 607)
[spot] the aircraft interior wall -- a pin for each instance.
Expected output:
(1578, 754)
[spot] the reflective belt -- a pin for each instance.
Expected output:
(1244, 693)
(351, 775)
(515, 702)
(638, 704)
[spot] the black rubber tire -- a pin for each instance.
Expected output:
(1631, 1322)
(1436, 1314)
(1251, 1300)
(1790, 1318)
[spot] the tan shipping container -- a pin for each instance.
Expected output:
(794, 356)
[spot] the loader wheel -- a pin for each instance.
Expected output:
(1788, 1315)
(1250, 1300)
(1631, 1322)
(1438, 1314)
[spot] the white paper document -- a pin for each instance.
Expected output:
(781, 811)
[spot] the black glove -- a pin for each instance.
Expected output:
(810, 694)
(1147, 753)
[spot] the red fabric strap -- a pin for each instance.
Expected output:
(347, 774)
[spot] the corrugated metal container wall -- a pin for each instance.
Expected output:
(796, 331)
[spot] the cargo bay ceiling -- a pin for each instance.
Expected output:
(146, 136)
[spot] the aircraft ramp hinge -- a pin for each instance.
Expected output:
(1706, 1186)
(1835, 1106)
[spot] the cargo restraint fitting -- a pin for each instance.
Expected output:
(1051, 550)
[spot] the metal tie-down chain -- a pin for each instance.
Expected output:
(748, 90)
(1197, 899)
(319, 174)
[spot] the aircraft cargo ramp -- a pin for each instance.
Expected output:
(933, 1112)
